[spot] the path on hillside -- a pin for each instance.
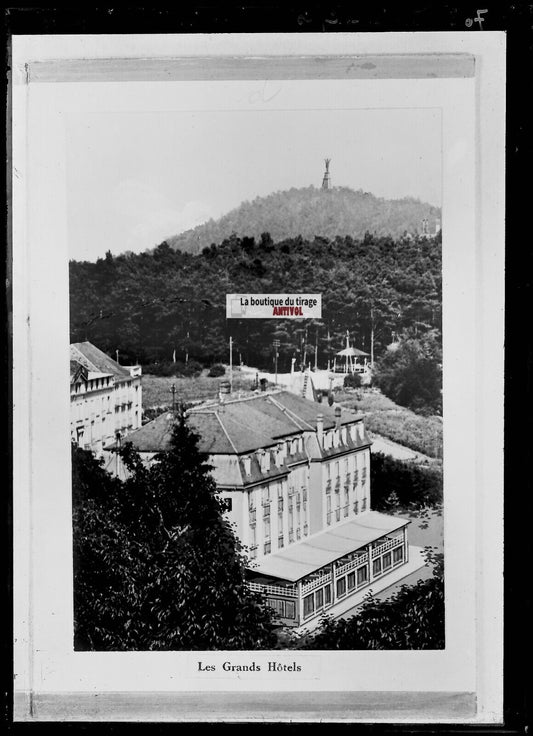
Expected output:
(397, 451)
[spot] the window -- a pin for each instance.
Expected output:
(351, 581)
(387, 561)
(280, 541)
(285, 609)
(319, 595)
(280, 523)
(266, 527)
(376, 566)
(363, 504)
(309, 604)
(267, 548)
(265, 494)
(327, 594)
(341, 587)
(397, 554)
(362, 575)
(227, 504)
(253, 536)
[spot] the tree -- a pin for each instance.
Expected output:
(156, 564)
(412, 618)
(410, 372)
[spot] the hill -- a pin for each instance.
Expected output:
(311, 212)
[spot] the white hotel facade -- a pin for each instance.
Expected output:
(105, 398)
(295, 475)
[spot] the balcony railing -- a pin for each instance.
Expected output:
(316, 583)
(357, 562)
(389, 544)
(290, 591)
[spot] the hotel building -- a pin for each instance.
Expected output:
(295, 476)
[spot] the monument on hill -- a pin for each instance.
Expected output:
(326, 181)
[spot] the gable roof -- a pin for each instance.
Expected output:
(97, 361)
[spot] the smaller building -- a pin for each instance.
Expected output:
(105, 397)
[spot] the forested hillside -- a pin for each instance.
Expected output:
(149, 305)
(311, 212)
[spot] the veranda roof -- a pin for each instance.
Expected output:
(304, 557)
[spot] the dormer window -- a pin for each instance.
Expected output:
(247, 462)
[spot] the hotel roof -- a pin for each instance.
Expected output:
(309, 555)
(239, 426)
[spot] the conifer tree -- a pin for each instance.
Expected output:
(176, 567)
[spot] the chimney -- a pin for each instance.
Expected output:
(320, 429)
(337, 417)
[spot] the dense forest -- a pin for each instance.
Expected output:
(311, 212)
(167, 304)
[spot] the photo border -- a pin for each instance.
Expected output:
(481, 195)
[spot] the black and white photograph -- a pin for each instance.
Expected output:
(258, 465)
(320, 523)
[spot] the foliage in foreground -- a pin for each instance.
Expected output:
(412, 618)
(156, 565)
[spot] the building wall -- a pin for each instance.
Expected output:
(128, 405)
(92, 413)
(316, 494)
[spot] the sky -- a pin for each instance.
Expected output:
(135, 178)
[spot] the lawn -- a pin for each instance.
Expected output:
(384, 417)
(157, 389)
